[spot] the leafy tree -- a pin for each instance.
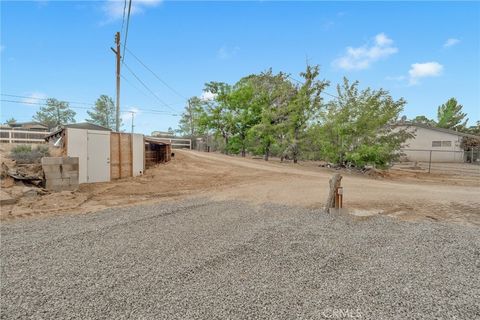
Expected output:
(358, 127)
(103, 113)
(218, 116)
(190, 124)
(303, 107)
(474, 129)
(272, 93)
(245, 110)
(424, 120)
(11, 121)
(55, 113)
(450, 116)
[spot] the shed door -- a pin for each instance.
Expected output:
(98, 161)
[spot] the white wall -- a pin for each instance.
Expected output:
(77, 147)
(422, 142)
(138, 147)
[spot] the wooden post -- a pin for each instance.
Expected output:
(332, 195)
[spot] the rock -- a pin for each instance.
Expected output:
(29, 192)
(5, 198)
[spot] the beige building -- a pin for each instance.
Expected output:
(443, 145)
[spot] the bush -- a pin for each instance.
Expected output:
(27, 154)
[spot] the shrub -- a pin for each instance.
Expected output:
(27, 154)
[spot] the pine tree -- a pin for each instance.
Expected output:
(103, 113)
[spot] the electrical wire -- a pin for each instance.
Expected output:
(156, 75)
(126, 30)
(123, 19)
(146, 87)
(151, 111)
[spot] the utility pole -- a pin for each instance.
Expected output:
(118, 57)
(133, 116)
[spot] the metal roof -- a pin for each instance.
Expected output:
(426, 126)
(81, 125)
(156, 140)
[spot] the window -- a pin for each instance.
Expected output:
(446, 143)
(441, 143)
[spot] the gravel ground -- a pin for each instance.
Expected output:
(199, 259)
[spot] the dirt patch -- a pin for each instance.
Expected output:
(397, 193)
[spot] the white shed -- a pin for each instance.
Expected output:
(103, 155)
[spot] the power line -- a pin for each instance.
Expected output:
(151, 111)
(156, 75)
(44, 99)
(126, 30)
(124, 8)
(70, 102)
(146, 87)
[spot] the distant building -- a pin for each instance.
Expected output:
(445, 144)
(29, 126)
(163, 134)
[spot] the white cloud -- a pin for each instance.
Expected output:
(423, 70)
(451, 42)
(114, 8)
(362, 57)
(226, 53)
(208, 96)
(34, 98)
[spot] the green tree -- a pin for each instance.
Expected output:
(55, 113)
(103, 113)
(450, 116)
(245, 110)
(272, 93)
(303, 107)
(11, 121)
(190, 123)
(424, 120)
(474, 129)
(218, 116)
(359, 127)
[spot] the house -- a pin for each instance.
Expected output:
(435, 144)
(104, 155)
(29, 126)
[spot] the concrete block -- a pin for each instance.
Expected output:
(69, 174)
(74, 182)
(71, 160)
(52, 160)
(70, 167)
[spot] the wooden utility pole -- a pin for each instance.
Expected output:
(133, 118)
(118, 57)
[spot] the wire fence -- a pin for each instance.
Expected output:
(442, 161)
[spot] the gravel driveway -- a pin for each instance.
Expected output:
(199, 259)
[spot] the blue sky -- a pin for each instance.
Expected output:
(425, 52)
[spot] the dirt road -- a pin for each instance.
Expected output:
(220, 177)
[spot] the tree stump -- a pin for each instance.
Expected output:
(334, 184)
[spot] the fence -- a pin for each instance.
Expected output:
(22, 136)
(176, 142)
(441, 161)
